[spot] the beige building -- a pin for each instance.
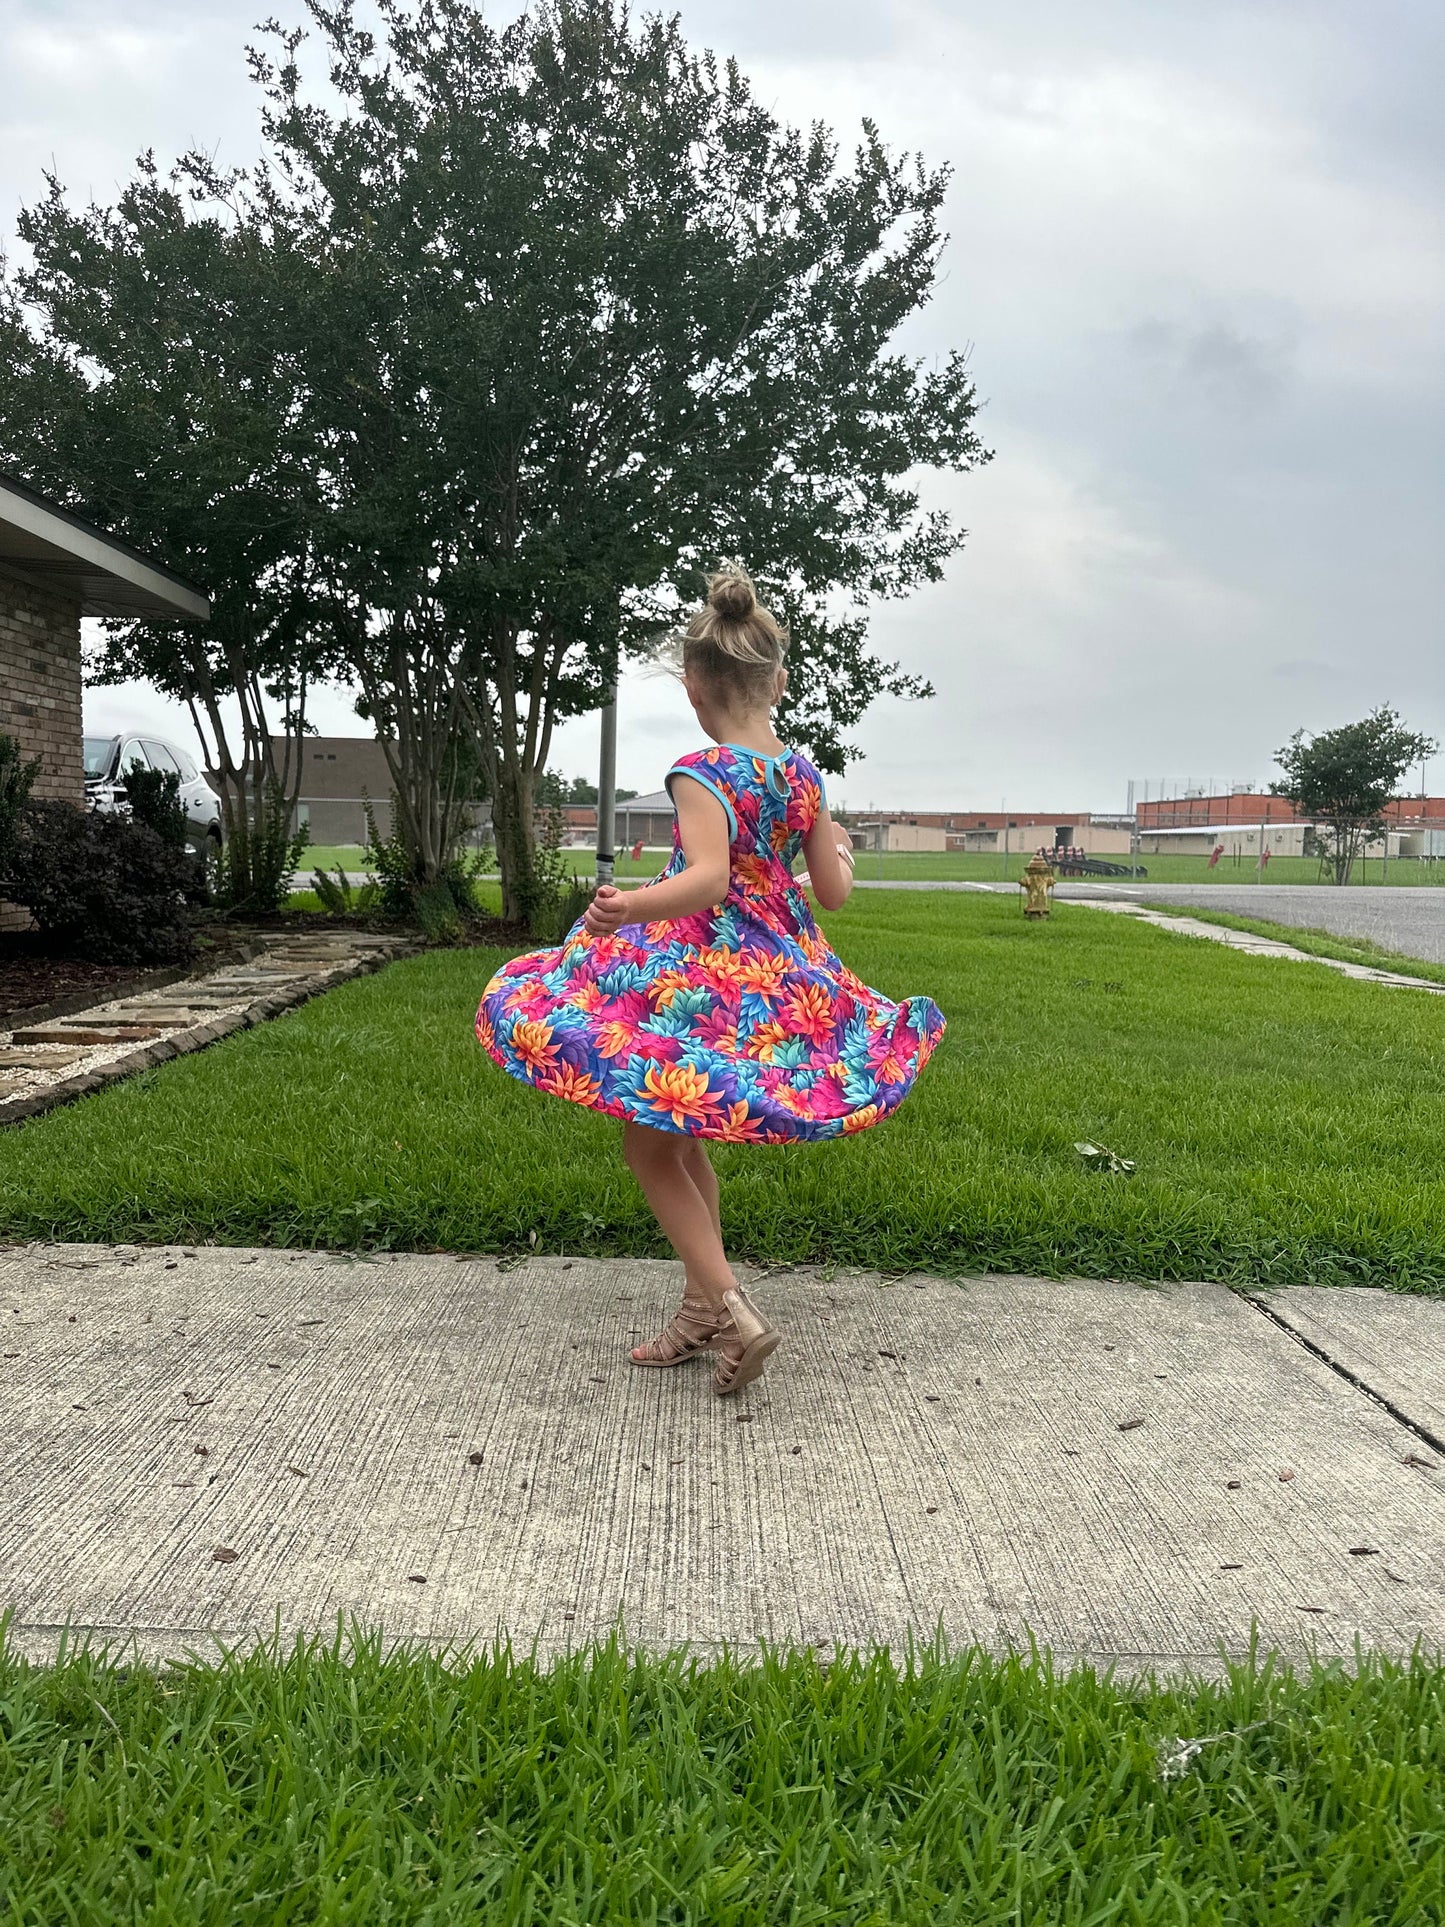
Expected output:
(1248, 839)
(337, 774)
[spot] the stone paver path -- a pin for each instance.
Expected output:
(450, 1448)
(48, 1062)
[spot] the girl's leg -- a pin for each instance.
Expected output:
(679, 1183)
(681, 1189)
(699, 1166)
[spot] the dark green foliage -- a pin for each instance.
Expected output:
(154, 796)
(358, 1782)
(1344, 778)
(435, 908)
(552, 788)
(1284, 1123)
(518, 329)
(149, 379)
(392, 863)
(551, 887)
(404, 887)
(17, 777)
(103, 886)
(337, 896)
(254, 869)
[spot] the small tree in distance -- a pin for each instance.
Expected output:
(1344, 778)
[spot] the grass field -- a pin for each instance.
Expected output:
(792, 1793)
(1284, 1120)
(927, 867)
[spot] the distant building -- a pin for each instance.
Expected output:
(1196, 809)
(337, 774)
(646, 820)
(1245, 822)
(989, 830)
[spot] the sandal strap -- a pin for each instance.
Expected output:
(674, 1340)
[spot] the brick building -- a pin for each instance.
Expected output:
(54, 569)
(1196, 809)
(1243, 823)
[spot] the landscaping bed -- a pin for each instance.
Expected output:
(35, 983)
(1283, 1122)
(804, 1790)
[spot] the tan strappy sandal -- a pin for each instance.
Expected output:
(748, 1342)
(687, 1334)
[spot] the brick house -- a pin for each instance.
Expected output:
(54, 569)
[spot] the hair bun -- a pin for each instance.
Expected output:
(731, 593)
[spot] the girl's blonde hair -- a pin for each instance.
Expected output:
(734, 643)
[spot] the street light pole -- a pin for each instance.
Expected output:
(607, 790)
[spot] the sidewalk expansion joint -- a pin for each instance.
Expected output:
(1401, 1417)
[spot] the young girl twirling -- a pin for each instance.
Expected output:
(707, 1004)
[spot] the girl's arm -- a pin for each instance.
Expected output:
(828, 852)
(702, 827)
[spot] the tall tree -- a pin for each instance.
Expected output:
(603, 319)
(534, 327)
(147, 379)
(1345, 778)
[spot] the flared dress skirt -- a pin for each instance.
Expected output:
(739, 1023)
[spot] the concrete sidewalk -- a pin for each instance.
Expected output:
(446, 1448)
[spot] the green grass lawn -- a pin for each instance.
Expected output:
(1285, 1122)
(930, 867)
(958, 1792)
(327, 856)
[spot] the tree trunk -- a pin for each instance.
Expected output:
(515, 827)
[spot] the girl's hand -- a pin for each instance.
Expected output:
(607, 912)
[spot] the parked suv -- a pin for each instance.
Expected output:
(107, 758)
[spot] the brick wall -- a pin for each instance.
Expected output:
(40, 683)
(40, 694)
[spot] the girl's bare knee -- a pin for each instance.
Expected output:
(642, 1146)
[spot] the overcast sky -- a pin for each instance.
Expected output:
(1199, 250)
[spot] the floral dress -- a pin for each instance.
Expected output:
(736, 1023)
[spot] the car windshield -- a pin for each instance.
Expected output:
(98, 753)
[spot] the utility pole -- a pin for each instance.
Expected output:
(607, 790)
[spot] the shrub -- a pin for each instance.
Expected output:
(391, 864)
(154, 797)
(16, 778)
(552, 897)
(336, 896)
(102, 885)
(252, 872)
(438, 905)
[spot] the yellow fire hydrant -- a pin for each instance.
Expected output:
(1036, 883)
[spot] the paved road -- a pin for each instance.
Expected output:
(1408, 919)
(450, 1447)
